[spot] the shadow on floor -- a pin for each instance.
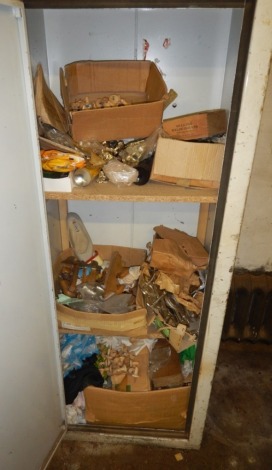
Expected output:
(238, 431)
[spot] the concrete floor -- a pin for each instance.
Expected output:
(238, 431)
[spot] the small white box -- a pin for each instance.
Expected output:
(61, 185)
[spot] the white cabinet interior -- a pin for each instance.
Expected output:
(199, 63)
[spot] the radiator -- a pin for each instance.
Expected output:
(249, 308)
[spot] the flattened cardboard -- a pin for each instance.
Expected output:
(138, 82)
(130, 323)
(168, 257)
(115, 267)
(188, 164)
(159, 409)
(197, 125)
(191, 245)
(48, 108)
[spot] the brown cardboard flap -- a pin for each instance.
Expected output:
(191, 245)
(163, 409)
(114, 269)
(168, 257)
(108, 322)
(198, 125)
(114, 76)
(48, 108)
(133, 121)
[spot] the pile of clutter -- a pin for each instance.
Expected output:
(103, 362)
(123, 159)
(172, 284)
(169, 282)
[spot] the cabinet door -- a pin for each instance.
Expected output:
(31, 394)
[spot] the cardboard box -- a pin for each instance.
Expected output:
(159, 409)
(138, 82)
(188, 164)
(197, 125)
(129, 324)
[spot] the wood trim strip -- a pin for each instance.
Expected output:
(134, 3)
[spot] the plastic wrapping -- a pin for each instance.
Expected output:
(75, 412)
(74, 349)
(187, 359)
(119, 173)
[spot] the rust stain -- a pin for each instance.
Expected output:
(145, 48)
(167, 43)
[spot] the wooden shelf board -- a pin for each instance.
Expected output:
(151, 192)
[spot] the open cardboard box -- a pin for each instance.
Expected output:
(159, 409)
(197, 125)
(139, 82)
(188, 164)
(128, 324)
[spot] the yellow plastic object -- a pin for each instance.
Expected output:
(54, 160)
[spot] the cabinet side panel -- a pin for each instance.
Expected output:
(31, 391)
(37, 41)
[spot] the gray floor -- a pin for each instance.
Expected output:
(238, 431)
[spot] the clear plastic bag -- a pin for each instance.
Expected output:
(119, 173)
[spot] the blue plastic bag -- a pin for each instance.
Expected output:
(74, 349)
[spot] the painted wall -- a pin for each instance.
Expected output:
(255, 244)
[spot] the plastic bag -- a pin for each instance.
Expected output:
(74, 349)
(119, 173)
(187, 359)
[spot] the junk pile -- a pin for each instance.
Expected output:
(128, 318)
(172, 285)
(125, 326)
(97, 365)
(129, 289)
(119, 135)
